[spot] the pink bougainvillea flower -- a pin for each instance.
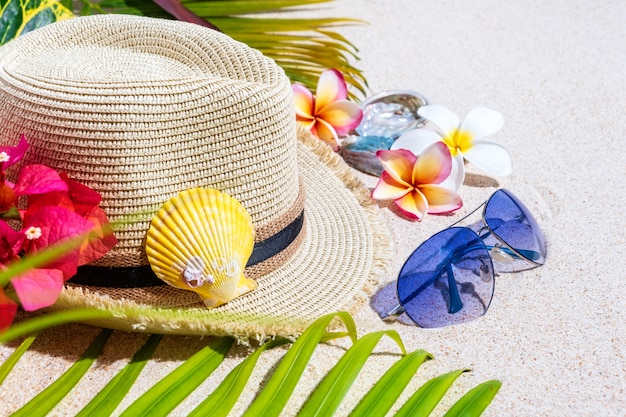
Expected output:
(10, 155)
(102, 239)
(38, 288)
(51, 225)
(38, 179)
(8, 308)
(464, 139)
(329, 114)
(413, 181)
(84, 198)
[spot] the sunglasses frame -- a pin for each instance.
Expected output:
(502, 251)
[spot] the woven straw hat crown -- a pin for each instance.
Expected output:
(140, 116)
(141, 109)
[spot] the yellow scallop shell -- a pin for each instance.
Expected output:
(201, 240)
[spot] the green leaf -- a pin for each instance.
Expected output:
(53, 319)
(163, 397)
(272, 399)
(425, 399)
(325, 400)
(224, 397)
(48, 398)
(107, 400)
(21, 16)
(238, 7)
(384, 394)
(475, 401)
(272, 36)
(9, 364)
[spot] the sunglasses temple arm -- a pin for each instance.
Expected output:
(393, 313)
(455, 298)
(467, 215)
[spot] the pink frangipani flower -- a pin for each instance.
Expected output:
(413, 182)
(329, 114)
(465, 139)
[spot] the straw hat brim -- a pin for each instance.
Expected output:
(345, 251)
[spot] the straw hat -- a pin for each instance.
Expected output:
(140, 109)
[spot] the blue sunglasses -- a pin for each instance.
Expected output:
(450, 278)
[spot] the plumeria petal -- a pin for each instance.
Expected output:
(303, 101)
(416, 140)
(414, 205)
(343, 115)
(326, 132)
(457, 174)
(8, 308)
(445, 120)
(331, 87)
(308, 125)
(14, 153)
(441, 199)
(38, 288)
(389, 189)
(490, 157)
(399, 164)
(433, 165)
(38, 179)
(482, 122)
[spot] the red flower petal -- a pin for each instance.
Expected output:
(38, 288)
(51, 199)
(38, 179)
(96, 246)
(83, 197)
(8, 308)
(8, 198)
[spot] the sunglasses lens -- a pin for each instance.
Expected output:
(510, 220)
(449, 279)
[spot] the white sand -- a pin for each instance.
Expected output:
(554, 336)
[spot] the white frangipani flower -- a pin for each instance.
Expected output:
(464, 139)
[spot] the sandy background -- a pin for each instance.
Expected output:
(555, 336)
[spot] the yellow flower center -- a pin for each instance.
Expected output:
(459, 141)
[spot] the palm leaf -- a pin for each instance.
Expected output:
(304, 48)
(383, 395)
(9, 364)
(223, 398)
(475, 401)
(45, 401)
(166, 394)
(107, 400)
(327, 397)
(175, 387)
(425, 399)
(271, 401)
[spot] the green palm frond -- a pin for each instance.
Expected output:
(302, 47)
(169, 392)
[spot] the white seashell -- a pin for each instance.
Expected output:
(201, 240)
